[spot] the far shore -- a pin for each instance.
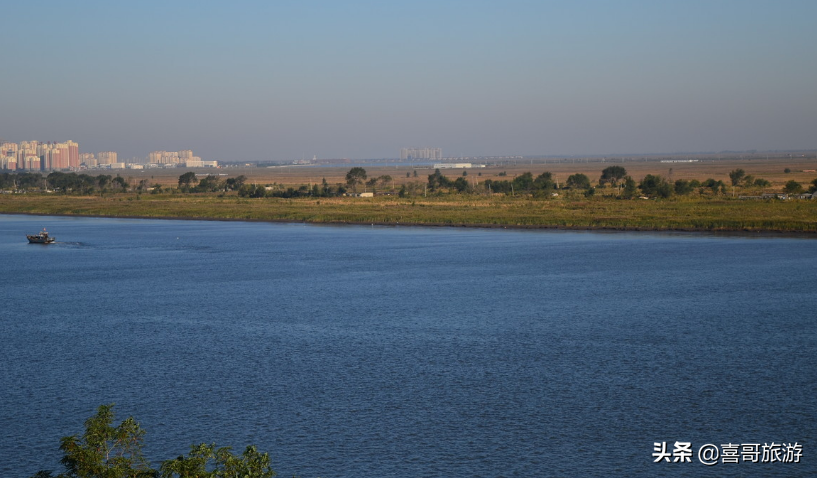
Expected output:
(407, 197)
(750, 232)
(795, 217)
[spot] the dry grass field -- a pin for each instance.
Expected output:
(771, 169)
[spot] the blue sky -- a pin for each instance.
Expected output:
(278, 80)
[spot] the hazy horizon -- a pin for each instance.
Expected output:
(277, 81)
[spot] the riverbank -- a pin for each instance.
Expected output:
(721, 214)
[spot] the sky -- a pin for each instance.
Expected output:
(278, 80)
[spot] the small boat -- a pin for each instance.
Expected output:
(40, 238)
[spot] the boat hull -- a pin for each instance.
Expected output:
(41, 238)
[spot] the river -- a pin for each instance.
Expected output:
(348, 351)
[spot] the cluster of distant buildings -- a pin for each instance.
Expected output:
(56, 156)
(39, 155)
(179, 158)
(411, 154)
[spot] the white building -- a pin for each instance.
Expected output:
(198, 163)
(453, 166)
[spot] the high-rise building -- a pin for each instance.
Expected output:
(59, 156)
(107, 157)
(73, 154)
(32, 161)
(8, 162)
(8, 156)
(25, 154)
(155, 157)
(170, 157)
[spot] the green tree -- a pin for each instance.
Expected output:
(493, 187)
(736, 175)
(252, 191)
(104, 450)
(630, 188)
(326, 189)
(29, 181)
(119, 182)
(197, 464)
(234, 184)
(57, 181)
(612, 175)
(438, 180)
(683, 187)
(187, 179)
(578, 181)
(762, 183)
(384, 180)
(715, 186)
(6, 181)
(793, 187)
(107, 451)
(544, 180)
(543, 185)
(461, 184)
(655, 186)
(523, 182)
(210, 183)
(103, 180)
(354, 177)
(813, 188)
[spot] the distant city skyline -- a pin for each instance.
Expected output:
(37, 155)
(68, 155)
(279, 81)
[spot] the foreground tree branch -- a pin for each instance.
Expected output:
(107, 451)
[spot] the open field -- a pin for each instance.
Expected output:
(700, 214)
(771, 169)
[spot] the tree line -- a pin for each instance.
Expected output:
(106, 450)
(66, 182)
(544, 185)
(654, 186)
(355, 179)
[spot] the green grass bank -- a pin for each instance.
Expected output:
(677, 214)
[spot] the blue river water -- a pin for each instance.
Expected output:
(411, 352)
